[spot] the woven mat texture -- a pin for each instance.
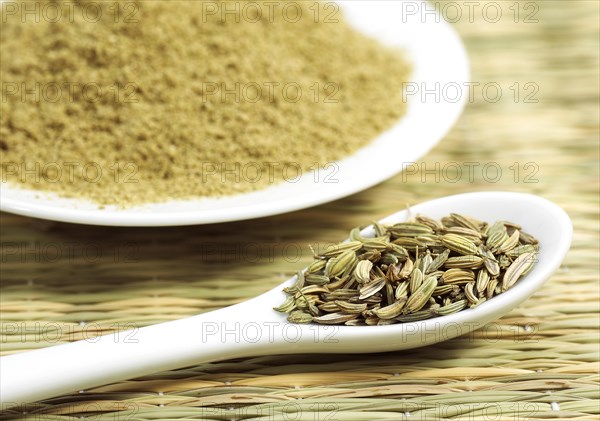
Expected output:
(540, 361)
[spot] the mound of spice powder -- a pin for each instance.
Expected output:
(127, 102)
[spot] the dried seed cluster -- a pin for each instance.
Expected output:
(411, 271)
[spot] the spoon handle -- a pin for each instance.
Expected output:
(35, 375)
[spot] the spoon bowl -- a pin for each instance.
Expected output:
(254, 328)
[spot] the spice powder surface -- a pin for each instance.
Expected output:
(148, 101)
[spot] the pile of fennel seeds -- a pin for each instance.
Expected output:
(133, 108)
(411, 271)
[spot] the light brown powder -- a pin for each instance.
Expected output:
(162, 100)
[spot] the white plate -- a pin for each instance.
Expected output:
(437, 55)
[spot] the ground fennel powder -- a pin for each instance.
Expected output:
(146, 101)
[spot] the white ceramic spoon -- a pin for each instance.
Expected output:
(253, 328)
